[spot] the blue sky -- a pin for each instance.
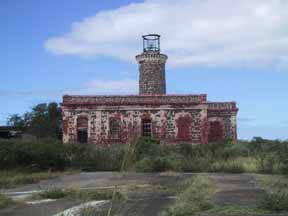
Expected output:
(51, 48)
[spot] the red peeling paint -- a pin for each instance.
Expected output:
(184, 126)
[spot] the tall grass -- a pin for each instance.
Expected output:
(78, 194)
(146, 155)
(193, 197)
(50, 154)
(5, 201)
(275, 197)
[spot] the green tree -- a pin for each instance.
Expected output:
(16, 120)
(44, 120)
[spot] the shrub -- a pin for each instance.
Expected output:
(53, 193)
(284, 167)
(32, 154)
(146, 154)
(266, 162)
(274, 201)
(167, 163)
(159, 164)
(229, 166)
(147, 147)
(153, 157)
(144, 165)
(71, 193)
(50, 154)
(196, 164)
(275, 197)
(5, 201)
(194, 196)
(235, 150)
(94, 158)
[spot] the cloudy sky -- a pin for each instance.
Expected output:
(231, 50)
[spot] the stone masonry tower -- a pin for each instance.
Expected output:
(151, 67)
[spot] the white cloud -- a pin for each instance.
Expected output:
(246, 33)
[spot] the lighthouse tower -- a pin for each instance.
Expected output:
(151, 67)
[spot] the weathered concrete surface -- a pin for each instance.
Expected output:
(138, 203)
(99, 179)
(147, 203)
(233, 189)
(236, 189)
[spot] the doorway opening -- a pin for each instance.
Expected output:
(82, 136)
(82, 129)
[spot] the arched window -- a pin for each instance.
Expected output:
(114, 129)
(146, 127)
(82, 129)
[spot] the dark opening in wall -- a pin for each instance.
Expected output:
(82, 136)
(82, 129)
(146, 127)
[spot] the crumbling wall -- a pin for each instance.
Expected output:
(173, 119)
(222, 121)
(170, 126)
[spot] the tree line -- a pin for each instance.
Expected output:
(44, 120)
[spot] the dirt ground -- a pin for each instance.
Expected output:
(233, 189)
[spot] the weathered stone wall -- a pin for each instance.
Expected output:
(150, 100)
(222, 121)
(152, 73)
(174, 119)
(168, 124)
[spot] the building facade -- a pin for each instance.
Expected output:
(105, 120)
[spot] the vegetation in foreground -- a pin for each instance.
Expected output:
(5, 201)
(273, 200)
(239, 210)
(275, 197)
(13, 178)
(146, 155)
(78, 194)
(193, 197)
